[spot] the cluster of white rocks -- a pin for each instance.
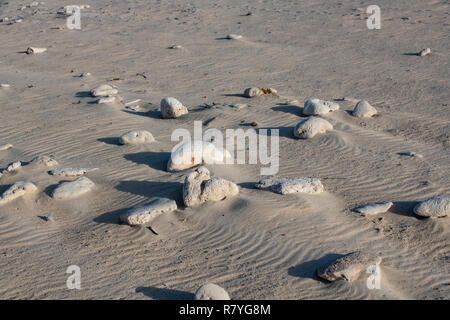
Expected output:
(105, 93)
(199, 187)
(65, 190)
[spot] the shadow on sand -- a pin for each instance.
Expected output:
(155, 160)
(308, 269)
(165, 294)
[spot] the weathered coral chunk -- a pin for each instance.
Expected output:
(147, 212)
(349, 267)
(436, 207)
(103, 90)
(136, 137)
(255, 92)
(312, 126)
(72, 189)
(172, 108)
(374, 208)
(314, 107)
(17, 190)
(292, 185)
(71, 172)
(199, 188)
(211, 291)
(363, 109)
(44, 160)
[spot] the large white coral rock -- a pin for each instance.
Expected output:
(312, 126)
(211, 291)
(314, 107)
(435, 207)
(147, 212)
(349, 267)
(193, 153)
(17, 190)
(72, 189)
(172, 108)
(292, 185)
(217, 189)
(363, 109)
(136, 137)
(199, 188)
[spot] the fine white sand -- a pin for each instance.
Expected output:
(257, 244)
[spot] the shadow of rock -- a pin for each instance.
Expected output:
(110, 140)
(287, 132)
(83, 94)
(155, 160)
(152, 189)
(165, 294)
(49, 190)
(405, 208)
(308, 269)
(241, 95)
(287, 108)
(112, 217)
(150, 114)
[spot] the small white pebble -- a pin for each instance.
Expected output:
(130, 102)
(424, 52)
(31, 50)
(232, 36)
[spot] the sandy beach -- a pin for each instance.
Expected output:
(256, 244)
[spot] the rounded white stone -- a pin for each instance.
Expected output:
(312, 126)
(78, 187)
(211, 291)
(363, 109)
(436, 207)
(172, 108)
(314, 107)
(193, 153)
(136, 137)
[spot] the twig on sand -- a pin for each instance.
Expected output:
(152, 230)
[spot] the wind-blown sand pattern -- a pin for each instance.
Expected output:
(257, 244)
